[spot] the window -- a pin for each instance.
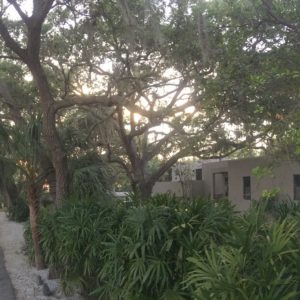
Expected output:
(198, 174)
(247, 187)
(297, 187)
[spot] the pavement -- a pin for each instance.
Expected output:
(6, 289)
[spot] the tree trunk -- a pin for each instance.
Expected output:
(143, 189)
(49, 171)
(30, 56)
(50, 133)
(33, 204)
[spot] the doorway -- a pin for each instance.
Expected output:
(220, 185)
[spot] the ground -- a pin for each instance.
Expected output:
(22, 275)
(12, 243)
(6, 289)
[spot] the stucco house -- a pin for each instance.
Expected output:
(239, 180)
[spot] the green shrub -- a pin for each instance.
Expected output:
(257, 261)
(18, 210)
(164, 249)
(285, 208)
(89, 176)
(120, 250)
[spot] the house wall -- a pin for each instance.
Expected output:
(187, 171)
(208, 169)
(193, 188)
(281, 177)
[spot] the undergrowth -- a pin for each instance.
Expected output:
(165, 249)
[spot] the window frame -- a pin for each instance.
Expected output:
(246, 196)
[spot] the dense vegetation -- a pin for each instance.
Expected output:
(167, 249)
(94, 91)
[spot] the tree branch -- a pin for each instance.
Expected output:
(167, 165)
(118, 161)
(18, 9)
(144, 128)
(10, 57)
(157, 148)
(88, 100)
(10, 42)
(127, 142)
(278, 19)
(34, 25)
(40, 10)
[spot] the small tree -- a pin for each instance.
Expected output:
(185, 175)
(23, 150)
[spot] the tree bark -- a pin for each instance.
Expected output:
(33, 204)
(145, 189)
(49, 174)
(50, 133)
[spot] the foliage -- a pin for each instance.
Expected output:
(167, 249)
(90, 176)
(270, 197)
(285, 208)
(261, 172)
(163, 79)
(153, 79)
(258, 261)
(123, 250)
(18, 210)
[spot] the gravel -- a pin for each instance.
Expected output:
(23, 276)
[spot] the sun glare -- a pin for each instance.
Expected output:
(137, 117)
(190, 110)
(86, 90)
(28, 77)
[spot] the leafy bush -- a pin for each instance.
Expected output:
(283, 209)
(90, 176)
(164, 249)
(120, 250)
(18, 210)
(258, 261)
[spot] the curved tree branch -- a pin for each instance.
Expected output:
(11, 43)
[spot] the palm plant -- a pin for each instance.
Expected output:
(24, 150)
(8, 169)
(257, 260)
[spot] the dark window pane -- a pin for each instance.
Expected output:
(198, 174)
(297, 187)
(247, 187)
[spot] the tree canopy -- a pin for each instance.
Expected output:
(138, 82)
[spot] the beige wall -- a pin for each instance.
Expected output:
(193, 188)
(207, 174)
(282, 177)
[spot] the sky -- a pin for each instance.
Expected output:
(26, 7)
